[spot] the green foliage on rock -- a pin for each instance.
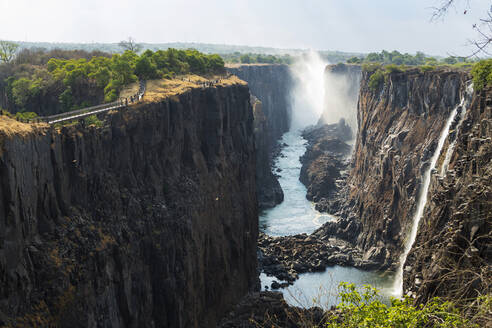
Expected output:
(482, 74)
(365, 308)
(397, 58)
(93, 120)
(354, 60)
(60, 83)
(252, 58)
(26, 115)
(376, 80)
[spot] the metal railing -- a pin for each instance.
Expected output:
(88, 111)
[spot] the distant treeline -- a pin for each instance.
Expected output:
(251, 58)
(397, 58)
(48, 82)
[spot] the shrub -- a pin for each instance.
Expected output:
(371, 68)
(365, 309)
(427, 68)
(482, 74)
(93, 120)
(392, 68)
(26, 115)
(354, 60)
(376, 80)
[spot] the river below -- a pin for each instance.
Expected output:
(298, 215)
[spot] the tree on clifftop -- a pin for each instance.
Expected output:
(130, 44)
(7, 50)
(483, 27)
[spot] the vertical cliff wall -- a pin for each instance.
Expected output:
(149, 221)
(271, 85)
(399, 124)
(452, 252)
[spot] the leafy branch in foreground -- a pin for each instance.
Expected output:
(365, 308)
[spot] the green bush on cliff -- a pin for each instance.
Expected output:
(482, 74)
(93, 120)
(61, 83)
(365, 309)
(397, 58)
(25, 115)
(376, 80)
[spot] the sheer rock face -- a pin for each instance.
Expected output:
(269, 191)
(452, 253)
(271, 85)
(150, 221)
(399, 125)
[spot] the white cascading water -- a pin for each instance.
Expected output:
(296, 214)
(465, 101)
(422, 200)
(307, 95)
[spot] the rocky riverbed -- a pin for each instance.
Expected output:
(325, 163)
(287, 257)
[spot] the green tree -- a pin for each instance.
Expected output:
(7, 50)
(354, 60)
(21, 91)
(245, 59)
(450, 60)
(145, 69)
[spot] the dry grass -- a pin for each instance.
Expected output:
(129, 90)
(157, 90)
(10, 127)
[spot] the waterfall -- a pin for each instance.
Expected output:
(465, 102)
(307, 94)
(422, 197)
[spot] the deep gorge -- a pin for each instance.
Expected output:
(152, 219)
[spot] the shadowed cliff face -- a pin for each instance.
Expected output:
(150, 221)
(452, 252)
(270, 84)
(398, 129)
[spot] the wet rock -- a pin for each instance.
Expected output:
(324, 160)
(287, 257)
(454, 254)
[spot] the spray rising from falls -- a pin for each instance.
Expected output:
(307, 94)
(422, 198)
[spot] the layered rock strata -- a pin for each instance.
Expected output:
(452, 253)
(399, 124)
(148, 221)
(325, 162)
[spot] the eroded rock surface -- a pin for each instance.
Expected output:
(452, 253)
(288, 256)
(325, 163)
(399, 125)
(149, 221)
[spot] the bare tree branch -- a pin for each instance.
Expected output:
(483, 27)
(7, 50)
(130, 44)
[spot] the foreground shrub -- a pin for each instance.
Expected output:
(482, 74)
(365, 308)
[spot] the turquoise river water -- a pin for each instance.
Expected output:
(297, 215)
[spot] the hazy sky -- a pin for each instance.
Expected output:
(347, 25)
